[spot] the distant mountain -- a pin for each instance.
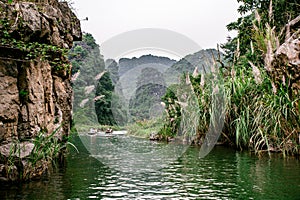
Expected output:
(203, 60)
(113, 68)
(126, 64)
(140, 83)
(150, 89)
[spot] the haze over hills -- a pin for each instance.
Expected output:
(126, 64)
(139, 82)
(131, 87)
(128, 70)
(203, 60)
(142, 82)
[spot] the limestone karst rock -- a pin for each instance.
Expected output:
(34, 95)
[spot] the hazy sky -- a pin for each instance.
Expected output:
(203, 21)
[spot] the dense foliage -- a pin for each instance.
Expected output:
(262, 104)
(275, 13)
(104, 90)
(91, 84)
(95, 101)
(19, 49)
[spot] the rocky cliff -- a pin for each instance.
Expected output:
(35, 89)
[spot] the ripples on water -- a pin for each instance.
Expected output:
(223, 174)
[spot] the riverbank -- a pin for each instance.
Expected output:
(144, 128)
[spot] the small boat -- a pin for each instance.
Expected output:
(109, 130)
(92, 131)
(107, 133)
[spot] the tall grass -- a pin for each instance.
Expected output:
(144, 128)
(260, 119)
(47, 148)
(256, 118)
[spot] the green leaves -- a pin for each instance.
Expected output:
(103, 105)
(89, 40)
(56, 56)
(277, 14)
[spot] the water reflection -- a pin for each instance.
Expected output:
(132, 155)
(223, 174)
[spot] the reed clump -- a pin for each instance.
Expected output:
(261, 99)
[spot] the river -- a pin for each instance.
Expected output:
(223, 174)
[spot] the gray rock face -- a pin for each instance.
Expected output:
(33, 95)
(21, 150)
(53, 23)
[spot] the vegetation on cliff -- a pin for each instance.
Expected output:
(103, 105)
(92, 85)
(35, 111)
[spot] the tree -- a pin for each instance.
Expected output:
(103, 98)
(277, 13)
(90, 40)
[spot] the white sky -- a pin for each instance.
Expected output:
(203, 21)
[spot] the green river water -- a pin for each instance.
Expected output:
(223, 174)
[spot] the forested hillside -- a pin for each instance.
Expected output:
(92, 85)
